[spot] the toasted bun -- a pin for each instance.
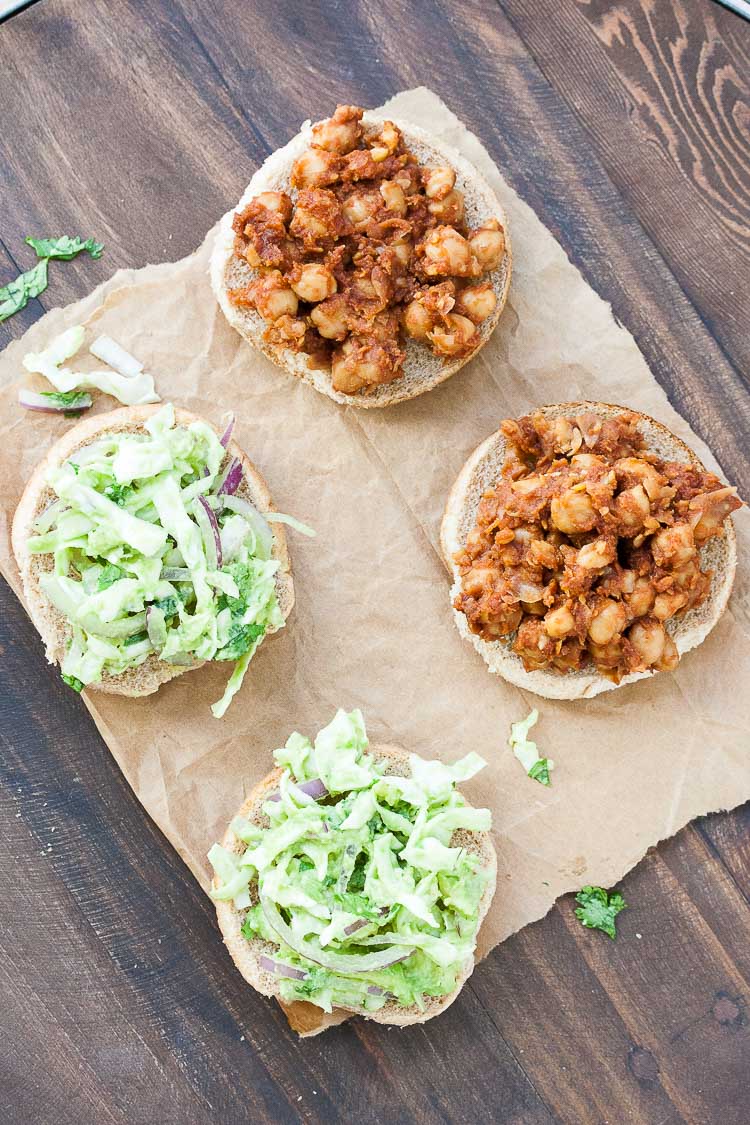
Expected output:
(422, 369)
(52, 625)
(481, 472)
(246, 954)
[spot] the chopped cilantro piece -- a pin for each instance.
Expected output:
(598, 909)
(110, 574)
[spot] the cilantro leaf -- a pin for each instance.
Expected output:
(118, 493)
(110, 574)
(17, 293)
(65, 248)
(598, 909)
(135, 639)
(169, 605)
(241, 639)
(72, 682)
(71, 400)
(540, 771)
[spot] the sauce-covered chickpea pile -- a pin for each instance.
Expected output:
(587, 545)
(373, 245)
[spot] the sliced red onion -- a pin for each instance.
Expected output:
(352, 929)
(226, 437)
(30, 400)
(233, 478)
(347, 963)
(373, 990)
(110, 352)
(280, 970)
(258, 523)
(314, 788)
(210, 532)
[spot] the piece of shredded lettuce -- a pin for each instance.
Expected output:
(527, 752)
(133, 390)
(129, 566)
(357, 878)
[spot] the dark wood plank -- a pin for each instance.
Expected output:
(111, 947)
(663, 90)
(118, 989)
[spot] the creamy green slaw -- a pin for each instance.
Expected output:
(354, 881)
(154, 554)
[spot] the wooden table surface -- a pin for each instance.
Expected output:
(627, 127)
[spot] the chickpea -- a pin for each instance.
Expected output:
(278, 202)
(450, 209)
(562, 428)
(456, 336)
(670, 656)
(599, 553)
(606, 656)
(648, 639)
(386, 142)
(524, 487)
(608, 622)
(583, 462)
(632, 508)
(438, 182)
(543, 555)
(252, 257)
(632, 470)
(314, 168)
(341, 132)
(402, 249)
(288, 331)
(573, 512)
(393, 196)
(272, 296)
(488, 244)
(361, 207)
(359, 363)
(317, 219)
(559, 622)
(674, 546)
(476, 301)
(667, 605)
(408, 179)
(417, 320)
(330, 318)
(642, 598)
(315, 283)
(536, 609)
(445, 252)
(714, 508)
(479, 579)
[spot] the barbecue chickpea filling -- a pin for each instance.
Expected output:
(373, 247)
(588, 545)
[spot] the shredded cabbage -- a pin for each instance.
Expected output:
(527, 752)
(131, 390)
(131, 572)
(366, 874)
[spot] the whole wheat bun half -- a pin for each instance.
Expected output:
(52, 625)
(246, 954)
(481, 472)
(422, 369)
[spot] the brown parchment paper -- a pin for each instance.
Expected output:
(372, 625)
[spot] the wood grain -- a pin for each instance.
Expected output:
(625, 127)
